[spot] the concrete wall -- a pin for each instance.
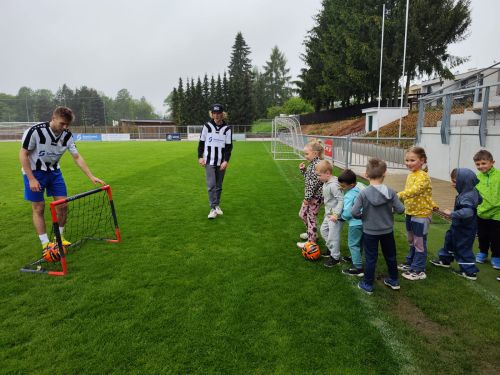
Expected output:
(385, 116)
(464, 143)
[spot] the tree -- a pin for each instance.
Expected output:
(277, 78)
(261, 96)
(343, 48)
(240, 84)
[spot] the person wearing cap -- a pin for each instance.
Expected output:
(214, 152)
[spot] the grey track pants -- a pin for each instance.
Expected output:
(214, 178)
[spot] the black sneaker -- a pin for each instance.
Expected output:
(469, 276)
(440, 263)
(326, 254)
(331, 262)
(353, 272)
(347, 259)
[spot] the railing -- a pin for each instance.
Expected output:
(477, 106)
(356, 151)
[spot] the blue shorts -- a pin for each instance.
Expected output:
(52, 181)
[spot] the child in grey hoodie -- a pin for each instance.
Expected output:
(375, 206)
(334, 202)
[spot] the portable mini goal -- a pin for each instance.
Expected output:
(288, 142)
(88, 216)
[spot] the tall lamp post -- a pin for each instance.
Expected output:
(404, 62)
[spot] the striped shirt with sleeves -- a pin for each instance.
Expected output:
(216, 143)
(45, 148)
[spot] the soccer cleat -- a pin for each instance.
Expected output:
(404, 267)
(304, 236)
(218, 210)
(331, 262)
(64, 241)
(212, 214)
(393, 284)
(440, 263)
(413, 275)
(467, 275)
(495, 263)
(300, 245)
(368, 289)
(353, 272)
(481, 257)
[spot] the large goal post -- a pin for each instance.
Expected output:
(87, 216)
(288, 142)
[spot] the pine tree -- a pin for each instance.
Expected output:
(277, 78)
(240, 98)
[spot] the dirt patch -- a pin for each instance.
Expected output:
(409, 313)
(337, 128)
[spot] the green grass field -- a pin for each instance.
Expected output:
(182, 294)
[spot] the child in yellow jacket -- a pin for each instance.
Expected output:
(417, 198)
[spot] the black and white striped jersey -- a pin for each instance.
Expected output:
(45, 148)
(216, 143)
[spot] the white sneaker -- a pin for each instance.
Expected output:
(303, 236)
(218, 211)
(212, 214)
(300, 245)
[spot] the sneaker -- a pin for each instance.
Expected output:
(353, 272)
(469, 276)
(481, 257)
(368, 289)
(498, 278)
(64, 241)
(212, 214)
(347, 259)
(331, 262)
(44, 245)
(393, 284)
(404, 267)
(303, 236)
(326, 254)
(218, 210)
(440, 263)
(300, 245)
(413, 275)
(495, 263)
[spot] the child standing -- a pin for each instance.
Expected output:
(347, 181)
(417, 197)
(313, 152)
(374, 206)
(334, 201)
(488, 212)
(459, 239)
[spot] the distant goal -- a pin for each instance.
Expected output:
(288, 142)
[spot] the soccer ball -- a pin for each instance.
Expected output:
(51, 253)
(311, 251)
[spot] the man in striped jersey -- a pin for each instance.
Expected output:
(42, 146)
(214, 152)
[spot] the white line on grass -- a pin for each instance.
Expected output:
(485, 293)
(398, 348)
(288, 181)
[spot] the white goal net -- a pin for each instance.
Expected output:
(288, 142)
(10, 131)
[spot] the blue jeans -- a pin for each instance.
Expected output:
(417, 229)
(388, 245)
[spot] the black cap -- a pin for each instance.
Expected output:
(217, 108)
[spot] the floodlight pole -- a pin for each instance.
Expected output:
(403, 75)
(380, 70)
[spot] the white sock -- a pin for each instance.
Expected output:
(61, 230)
(44, 238)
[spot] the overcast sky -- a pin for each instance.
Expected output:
(146, 45)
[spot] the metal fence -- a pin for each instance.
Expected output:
(356, 151)
(477, 106)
